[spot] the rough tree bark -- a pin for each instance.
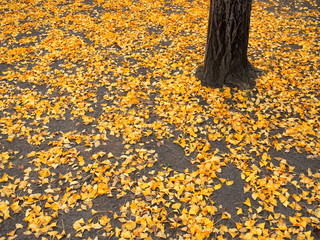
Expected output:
(226, 60)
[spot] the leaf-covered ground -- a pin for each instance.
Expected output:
(105, 133)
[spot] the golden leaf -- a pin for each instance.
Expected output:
(129, 225)
(247, 202)
(194, 209)
(77, 225)
(176, 205)
(15, 207)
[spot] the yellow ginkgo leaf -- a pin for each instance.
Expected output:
(77, 225)
(247, 202)
(194, 209)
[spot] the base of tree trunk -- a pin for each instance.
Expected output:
(226, 60)
(242, 79)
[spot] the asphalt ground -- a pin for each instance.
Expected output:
(106, 134)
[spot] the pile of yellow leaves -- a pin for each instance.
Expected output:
(94, 92)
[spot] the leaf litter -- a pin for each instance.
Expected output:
(94, 92)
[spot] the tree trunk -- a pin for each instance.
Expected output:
(226, 61)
